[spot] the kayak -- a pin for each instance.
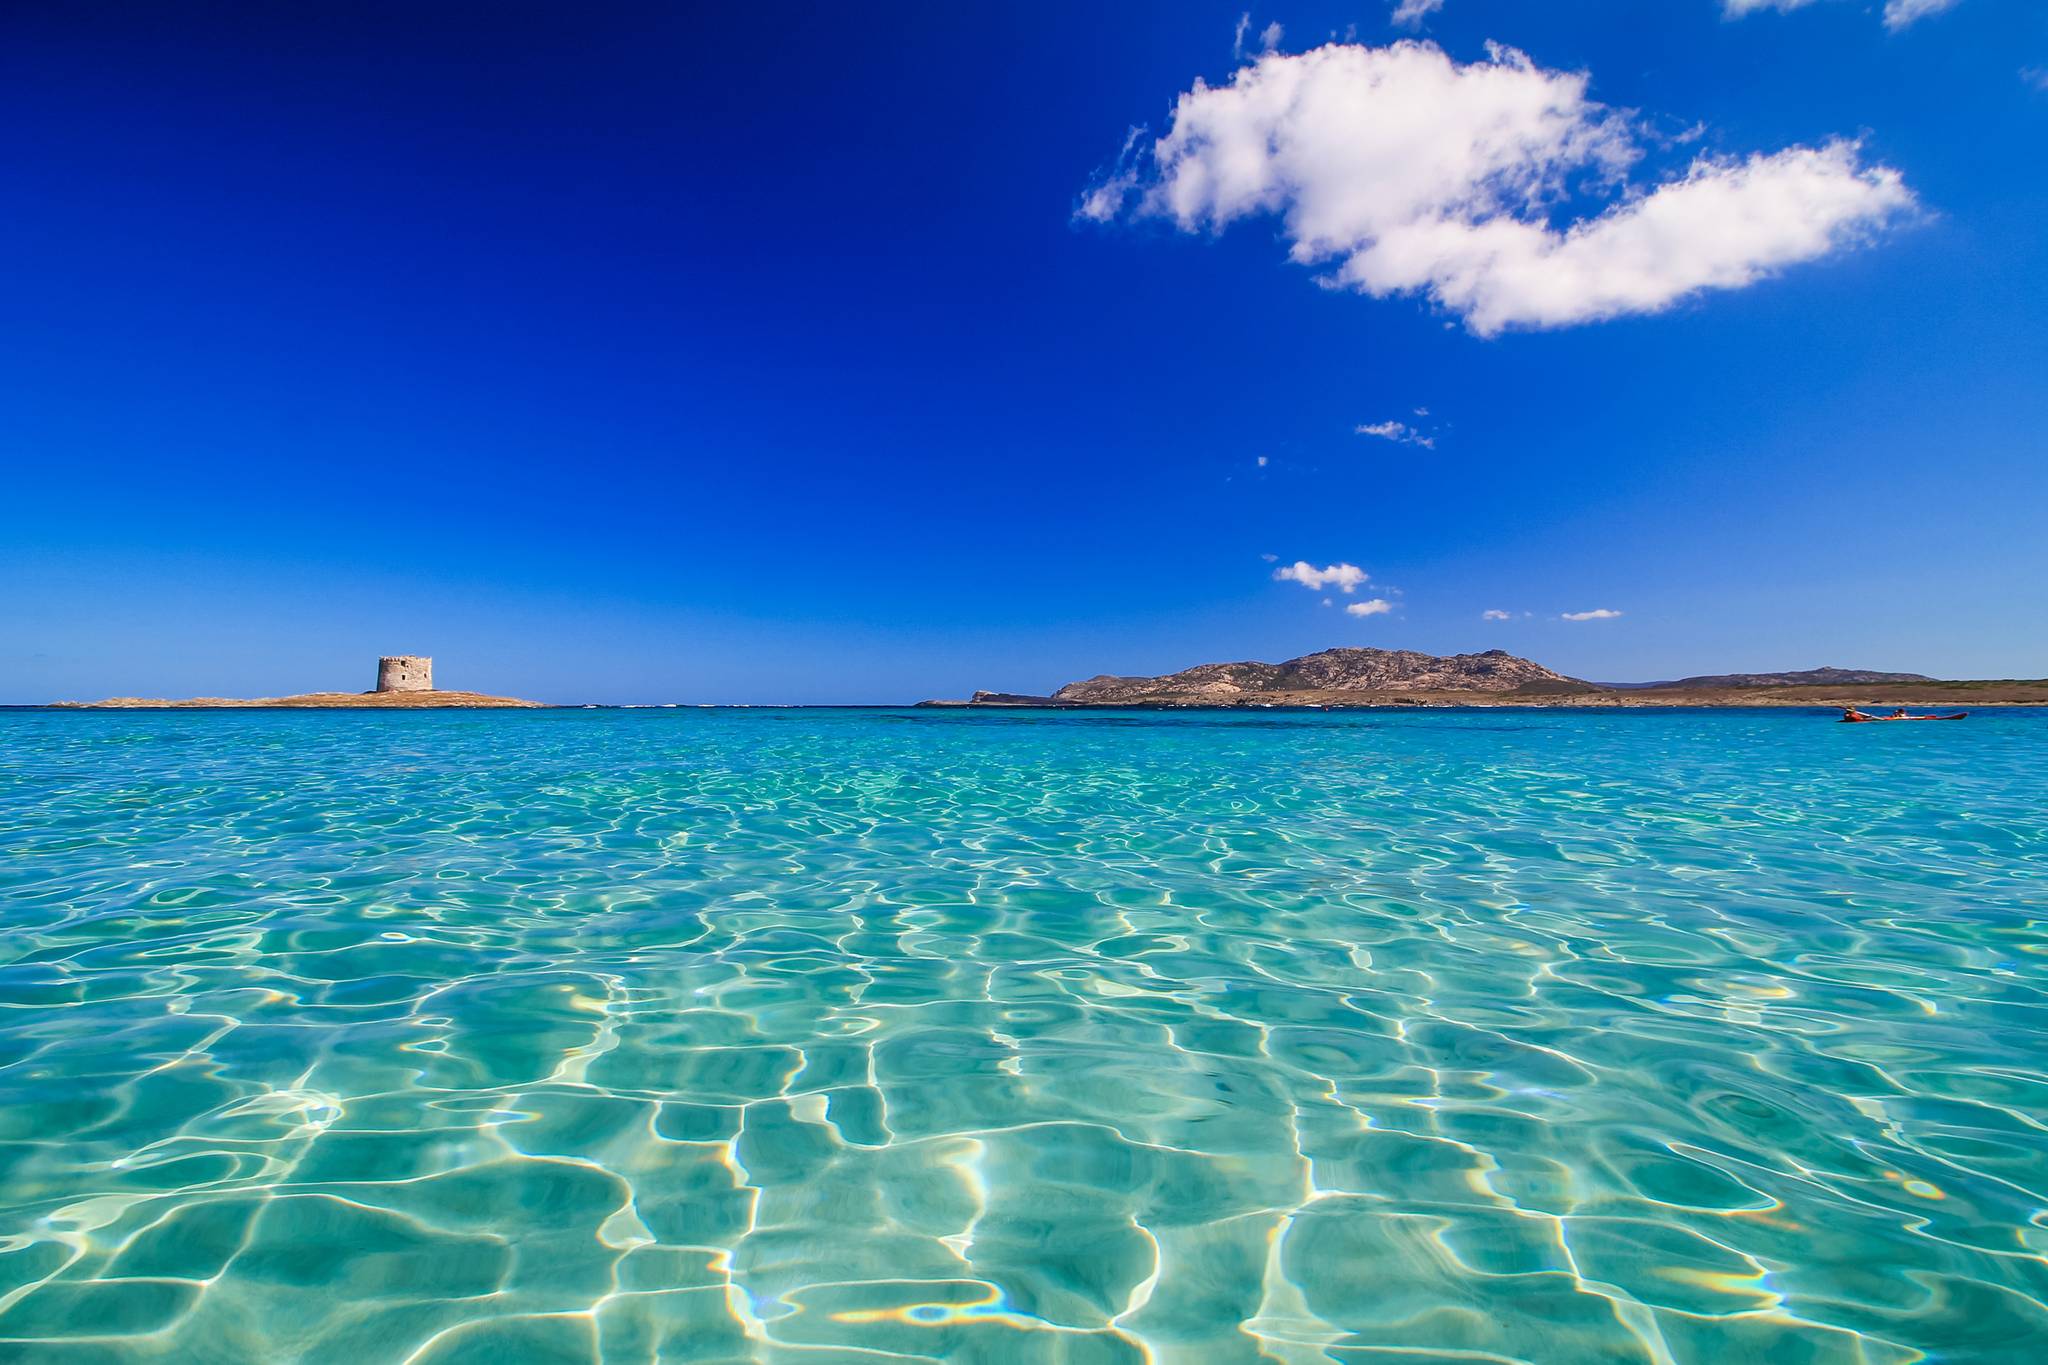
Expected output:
(1857, 720)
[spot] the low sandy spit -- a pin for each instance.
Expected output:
(382, 701)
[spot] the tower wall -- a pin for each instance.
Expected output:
(405, 673)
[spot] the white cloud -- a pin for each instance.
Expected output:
(1378, 606)
(1411, 13)
(1244, 21)
(1262, 462)
(1345, 577)
(1897, 13)
(1495, 615)
(1270, 38)
(2036, 76)
(1597, 614)
(1401, 172)
(1399, 432)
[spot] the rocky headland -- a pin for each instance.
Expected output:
(1402, 677)
(1332, 670)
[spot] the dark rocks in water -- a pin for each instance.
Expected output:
(997, 699)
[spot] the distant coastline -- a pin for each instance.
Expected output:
(1987, 692)
(1975, 693)
(1334, 679)
(1381, 678)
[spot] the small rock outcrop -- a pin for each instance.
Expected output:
(404, 681)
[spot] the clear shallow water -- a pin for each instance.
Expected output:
(856, 1036)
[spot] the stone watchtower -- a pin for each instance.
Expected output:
(405, 673)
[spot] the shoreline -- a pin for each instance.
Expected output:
(1960, 695)
(1300, 708)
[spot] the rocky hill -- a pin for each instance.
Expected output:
(1331, 671)
(1828, 677)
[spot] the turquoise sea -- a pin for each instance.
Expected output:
(873, 1035)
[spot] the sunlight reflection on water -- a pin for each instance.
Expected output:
(778, 1035)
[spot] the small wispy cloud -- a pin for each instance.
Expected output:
(1597, 614)
(1496, 615)
(1344, 577)
(1104, 198)
(1735, 9)
(1269, 37)
(1378, 606)
(2036, 76)
(1398, 432)
(1899, 13)
(1411, 13)
(1262, 461)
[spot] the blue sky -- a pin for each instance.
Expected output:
(665, 354)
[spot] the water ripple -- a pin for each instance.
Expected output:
(807, 1036)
